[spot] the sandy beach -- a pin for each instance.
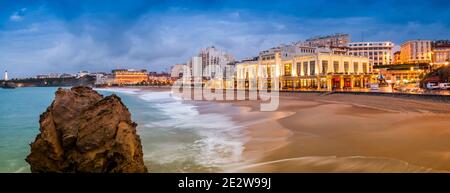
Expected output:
(313, 132)
(350, 133)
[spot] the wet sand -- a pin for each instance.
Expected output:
(355, 133)
(313, 132)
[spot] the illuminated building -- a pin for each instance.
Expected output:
(441, 52)
(126, 76)
(300, 67)
(397, 59)
(379, 53)
(416, 51)
(401, 74)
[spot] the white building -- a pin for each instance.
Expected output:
(303, 67)
(416, 51)
(213, 59)
(177, 71)
(379, 53)
(5, 77)
(82, 74)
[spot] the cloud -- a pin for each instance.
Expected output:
(18, 15)
(50, 41)
(15, 17)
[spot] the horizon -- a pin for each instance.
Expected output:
(71, 36)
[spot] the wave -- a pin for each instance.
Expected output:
(181, 134)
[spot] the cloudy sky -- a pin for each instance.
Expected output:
(38, 36)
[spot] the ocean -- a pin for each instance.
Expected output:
(175, 135)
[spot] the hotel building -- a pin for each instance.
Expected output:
(416, 51)
(441, 52)
(301, 67)
(129, 76)
(379, 53)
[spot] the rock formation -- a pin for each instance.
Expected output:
(83, 132)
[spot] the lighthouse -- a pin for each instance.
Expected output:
(5, 77)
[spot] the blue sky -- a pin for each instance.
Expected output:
(38, 36)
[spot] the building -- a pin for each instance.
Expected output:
(177, 70)
(403, 74)
(441, 52)
(416, 51)
(65, 75)
(213, 59)
(160, 78)
(82, 73)
(104, 79)
(335, 40)
(397, 59)
(196, 67)
(42, 76)
(379, 53)
(129, 76)
(5, 76)
(300, 67)
(53, 75)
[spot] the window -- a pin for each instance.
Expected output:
(336, 66)
(364, 64)
(346, 66)
(288, 70)
(305, 68)
(355, 67)
(312, 67)
(299, 68)
(324, 66)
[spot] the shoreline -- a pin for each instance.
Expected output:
(311, 132)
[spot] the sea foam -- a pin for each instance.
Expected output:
(185, 134)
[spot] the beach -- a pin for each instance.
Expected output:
(316, 132)
(309, 132)
(348, 133)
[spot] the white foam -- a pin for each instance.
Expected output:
(131, 91)
(220, 141)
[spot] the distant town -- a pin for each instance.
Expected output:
(331, 62)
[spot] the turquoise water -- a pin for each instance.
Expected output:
(174, 135)
(19, 124)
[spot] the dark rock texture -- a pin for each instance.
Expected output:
(83, 132)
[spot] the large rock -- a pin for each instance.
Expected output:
(83, 132)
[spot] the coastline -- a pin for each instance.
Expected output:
(312, 132)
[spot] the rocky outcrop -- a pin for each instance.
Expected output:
(83, 132)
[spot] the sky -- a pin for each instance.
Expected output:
(43, 36)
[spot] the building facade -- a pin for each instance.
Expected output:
(416, 51)
(129, 76)
(335, 40)
(177, 71)
(306, 68)
(212, 59)
(441, 52)
(379, 53)
(397, 59)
